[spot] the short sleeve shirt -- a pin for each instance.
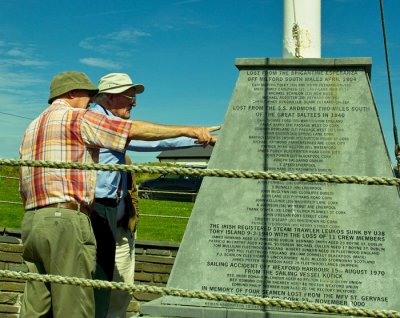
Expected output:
(66, 134)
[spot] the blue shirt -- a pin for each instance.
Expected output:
(108, 181)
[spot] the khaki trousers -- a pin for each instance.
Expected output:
(58, 241)
(124, 271)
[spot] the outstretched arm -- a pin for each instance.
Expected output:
(148, 131)
(160, 145)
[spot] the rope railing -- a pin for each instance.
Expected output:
(252, 300)
(164, 216)
(265, 175)
(8, 177)
(165, 192)
(11, 202)
(248, 174)
(166, 195)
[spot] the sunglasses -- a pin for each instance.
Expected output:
(131, 98)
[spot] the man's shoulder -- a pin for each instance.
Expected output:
(96, 108)
(101, 110)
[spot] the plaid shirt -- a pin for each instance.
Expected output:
(66, 134)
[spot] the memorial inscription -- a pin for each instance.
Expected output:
(300, 126)
(305, 241)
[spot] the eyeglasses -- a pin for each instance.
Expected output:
(131, 98)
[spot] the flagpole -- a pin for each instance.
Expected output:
(302, 29)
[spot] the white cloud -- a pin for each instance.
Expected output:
(14, 54)
(117, 44)
(24, 62)
(102, 63)
(113, 41)
(96, 44)
(128, 35)
(16, 80)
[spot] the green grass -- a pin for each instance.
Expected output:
(10, 213)
(160, 228)
(153, 228)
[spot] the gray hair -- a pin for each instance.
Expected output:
(99, 98)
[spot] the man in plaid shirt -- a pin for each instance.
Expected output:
(56, 230)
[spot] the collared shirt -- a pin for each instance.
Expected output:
(108, 182)
(66, 134)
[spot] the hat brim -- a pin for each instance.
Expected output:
(139, 88)
(91, 92)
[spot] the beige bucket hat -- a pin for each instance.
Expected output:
(115, 83)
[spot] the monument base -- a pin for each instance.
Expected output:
(156, 309)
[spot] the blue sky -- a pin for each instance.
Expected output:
(183, 51)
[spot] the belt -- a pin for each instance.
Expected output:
(113, 203)
(66, 205)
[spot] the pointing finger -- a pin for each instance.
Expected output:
(213, 128)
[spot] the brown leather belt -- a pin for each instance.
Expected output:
(67, 205)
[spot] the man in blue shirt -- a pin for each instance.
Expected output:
(116, 98)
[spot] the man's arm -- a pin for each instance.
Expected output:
(141, 130)
(160, 145)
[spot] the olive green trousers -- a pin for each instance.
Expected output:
(58, 241)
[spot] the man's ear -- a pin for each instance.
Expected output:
(111, 97)
(71, 94)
